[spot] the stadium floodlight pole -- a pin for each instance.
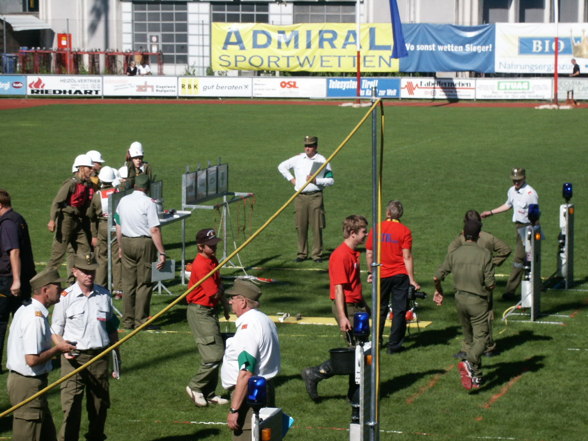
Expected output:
(555, 70)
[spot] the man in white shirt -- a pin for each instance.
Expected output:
(310, 210)
(144, 68)
(85, 315)
(253, 351)
(30, 350)
(519, 197)
(139, 236)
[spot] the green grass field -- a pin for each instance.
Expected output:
(440, 161)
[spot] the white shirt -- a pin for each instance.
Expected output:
(30, 334)
(143, 69)
(301, 164)
(83, 319)
(257, 335)
(137, 214)
(520, 200)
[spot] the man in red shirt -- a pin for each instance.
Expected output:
(203, 320)
(346, 297)
(396, 272)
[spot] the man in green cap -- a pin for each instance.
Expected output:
(30, 350)
(310, 209)
(85, 315)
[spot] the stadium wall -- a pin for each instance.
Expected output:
(98, 86)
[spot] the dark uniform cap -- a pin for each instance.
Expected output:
(207, 236)
(245, 288)
(517, 174)
(86, 262)
(142, 181)
(310, 140)
(46, 277)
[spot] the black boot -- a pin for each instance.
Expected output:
(313, 375)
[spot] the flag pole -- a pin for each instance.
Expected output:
(358, 45)
(555, 70)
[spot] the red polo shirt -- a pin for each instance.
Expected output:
(344, 270)
(204, 294)
(395, 238)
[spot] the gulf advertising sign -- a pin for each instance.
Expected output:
(530, 47)
(13, 85)
(310, 47)
(64, 85)
(140, 86)
(347, 87)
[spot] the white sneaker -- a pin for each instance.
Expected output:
(217, 400)
(196, 397)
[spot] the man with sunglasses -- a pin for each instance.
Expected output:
(519, 197)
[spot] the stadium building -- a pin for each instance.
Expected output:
(181, 30)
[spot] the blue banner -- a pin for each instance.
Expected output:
(347, 87)
(13, 85)
(446, 48)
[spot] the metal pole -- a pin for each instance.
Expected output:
(555, 70)
(373, 425)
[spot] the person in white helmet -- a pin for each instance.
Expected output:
(68, 218)
(136, 165)
(97, 162)
(121, 182)
(98, 214)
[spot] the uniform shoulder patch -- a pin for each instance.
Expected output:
(244, 326)
(64, 293)
(38, 314)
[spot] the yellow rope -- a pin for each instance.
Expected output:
(220, 265)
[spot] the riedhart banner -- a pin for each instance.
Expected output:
(310, 47)
(530, 48)
(443, 48)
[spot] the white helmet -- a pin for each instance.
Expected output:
(136, 149)
(107, 174)
(82, 161)
(95, 156)
(123, 172)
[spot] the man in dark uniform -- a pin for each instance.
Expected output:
(85, 315)
(30, 350)
(17, 265)
(473, 276)
(310, 210)
(68, 218)
(500, 252)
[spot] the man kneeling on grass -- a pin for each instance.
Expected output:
(473, 275)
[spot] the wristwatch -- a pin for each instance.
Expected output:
(231, 410)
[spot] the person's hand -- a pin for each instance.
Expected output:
(15, 288)
(161, 262)
(94, 242)
(344, 324)
(232, 421)
(370, 278)
(65, 346)
(416, 285)
(120, 252)
(51, 226)
(485, 214)
(438, 298)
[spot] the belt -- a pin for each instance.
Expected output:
(137, 237)
(308, 193)
(28, 376)
(198, 305)
(90, 351)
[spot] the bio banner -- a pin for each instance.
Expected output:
(443, 48)
(311, 47)
(530, 47)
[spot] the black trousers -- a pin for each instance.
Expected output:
(394, 293)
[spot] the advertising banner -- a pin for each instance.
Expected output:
(310, 47)
(52, 85)
(289, 87)
(447, 48)
(215, 86)
(530, 48)
(577, 87)
(347, 87)
(13, 85)
(140, 86)
(514, 88)
(438, 89)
